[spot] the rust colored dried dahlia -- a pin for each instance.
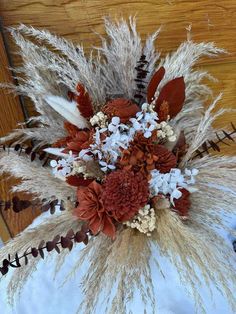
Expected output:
(81, 140)
(122, 108)
(182, 204)
(76, 140)
(144, 155)
(124, 193)
(71, 130)
(91, 209)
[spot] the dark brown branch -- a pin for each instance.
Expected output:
(18, 205)
(142, 72)
(222, 137)
(58, 243)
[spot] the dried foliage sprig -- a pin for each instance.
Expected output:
(142, 73)
(63, 242)
(18, 205)
(221, 137)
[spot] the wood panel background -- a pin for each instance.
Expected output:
(80, 20)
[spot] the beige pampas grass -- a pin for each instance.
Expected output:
(36, 179)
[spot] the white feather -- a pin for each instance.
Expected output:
(56, 152)
(68, 110)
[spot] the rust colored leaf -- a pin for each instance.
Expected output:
(34, 252)
(65, 242)
(41, 253)
(5, 263)
(77, 181)
(4, 270)
(50, 245)
(86, 240)
(174, 93)
(84, 102)
(80, 236)
(154, 82)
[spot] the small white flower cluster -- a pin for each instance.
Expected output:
(145, 121)
(170, 183)
(108, 150)
(144, 221)
(62, 167)
(99, 119)
(165, 131)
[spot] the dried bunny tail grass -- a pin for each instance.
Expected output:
(204, 130)
(87, 71)
(36, 179)
(108, 264)
(55, 225)
(197, 263)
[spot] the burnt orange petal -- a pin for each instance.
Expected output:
(155, 81)
(108, 227)
(84, 102)
(95, 225)
(174, 94)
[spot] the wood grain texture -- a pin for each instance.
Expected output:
(80, 20)
(10, 114)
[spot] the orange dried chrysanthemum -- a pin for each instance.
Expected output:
(124, 193)
(91, 209)
(144, 155)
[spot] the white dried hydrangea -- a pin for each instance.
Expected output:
(144, 221)
(63, 167)
(145, 121)
(108, 149)
(171, 182)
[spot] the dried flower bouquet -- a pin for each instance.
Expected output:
(124, 141)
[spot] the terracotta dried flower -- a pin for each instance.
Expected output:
(91, 209)
(122, 108)
(124, 193)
